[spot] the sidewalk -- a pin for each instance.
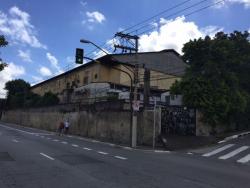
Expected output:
(178, 142)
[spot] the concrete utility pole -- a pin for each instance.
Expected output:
(132, 40)
(146, 87)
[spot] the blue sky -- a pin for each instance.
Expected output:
(43, 34)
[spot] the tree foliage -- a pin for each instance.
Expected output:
(218, 81)
(20, 96)
(3, 43)
(17, 90)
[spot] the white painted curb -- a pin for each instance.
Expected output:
(234, 137)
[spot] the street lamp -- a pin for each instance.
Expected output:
(131, 81)
(89, 42)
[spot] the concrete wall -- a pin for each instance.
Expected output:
(112, 126)
(203, 129)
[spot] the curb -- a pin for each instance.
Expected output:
(87, 139)
(234, 137)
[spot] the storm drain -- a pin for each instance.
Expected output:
(77, 159)
(4, 156)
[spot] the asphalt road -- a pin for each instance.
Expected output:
(31, 158)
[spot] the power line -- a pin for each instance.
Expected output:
(173, 14)
(189, 14)
(164, 11)
(156, 15)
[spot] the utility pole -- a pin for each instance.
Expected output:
(130, 43)
(146, 87)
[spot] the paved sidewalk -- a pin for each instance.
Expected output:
(177, 142)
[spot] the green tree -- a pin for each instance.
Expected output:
(217, 80)
(3, 43)
(49, 99)
(17, 91)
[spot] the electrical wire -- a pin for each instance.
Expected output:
(146, 20)
(156, 15)
(169, 16)
(188, 14)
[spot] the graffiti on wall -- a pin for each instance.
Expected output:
(178, 120)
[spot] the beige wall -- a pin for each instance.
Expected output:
(101, 73)
(113, 126)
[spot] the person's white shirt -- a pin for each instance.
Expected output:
(66, 124)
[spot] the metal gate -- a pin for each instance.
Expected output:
(178, 120)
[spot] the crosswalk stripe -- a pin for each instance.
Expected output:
(234, 152)
(217, 150)
(244, 159)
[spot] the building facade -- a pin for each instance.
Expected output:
(113, 76)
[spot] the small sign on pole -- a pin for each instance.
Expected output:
(136, 105)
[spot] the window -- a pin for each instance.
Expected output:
(86, 80)
(96, 76)
(68, 85)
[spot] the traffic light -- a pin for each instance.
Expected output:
(79, 56)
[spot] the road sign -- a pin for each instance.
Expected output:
(136, 105)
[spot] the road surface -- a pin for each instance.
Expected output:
(32, 158)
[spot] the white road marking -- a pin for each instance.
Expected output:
(95, 141)
(217, 150)
(112, 145)
(87, 149)
(103, 153)
(64, 142)
(69, 136)
(128, 148)
(74, 145)
(11, 128)
(244, 159)
(14, 140)
(189, 153)
(161, 151)
(42, 136)
(233, 153)
(222, 141)
(17, 129)
(119, 157)
(51, 158)
(55, 140)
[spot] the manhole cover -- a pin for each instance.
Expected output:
(77, 159)
(4, 156)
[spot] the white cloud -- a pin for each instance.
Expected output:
(54, 62)
(10, 72)
(25, 55)
(95, 17)
(44, 71)
(172, 34)
(17, 26)
(70, 59)
(211, 30)
(37, 78)
(226, 3)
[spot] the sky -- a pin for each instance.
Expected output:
(44, 34)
